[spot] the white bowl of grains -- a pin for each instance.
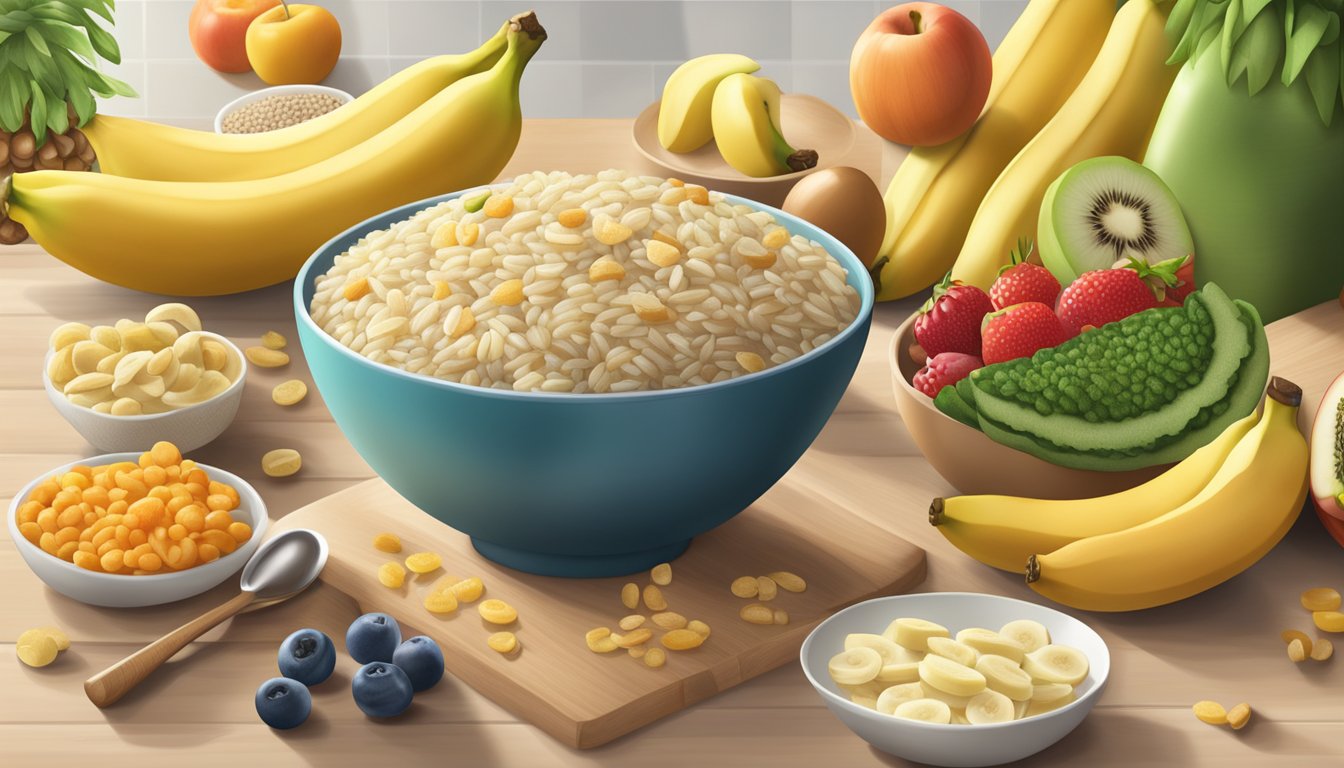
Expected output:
(278, 107)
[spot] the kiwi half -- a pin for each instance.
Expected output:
(1106, 209)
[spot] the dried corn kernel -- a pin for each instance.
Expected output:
(444, 237)
(661, 254)
(1321, 599)
(781, 616)
(744, 587)
(281, 462)
(750, 361)
(1322, 649)
(273, 340)
(572, 217)
(497, 612)
(468, 590)
(757, 613)
(1239, 716)
(649, 308)
(503, 642)
(423, 562)
(789, 582)
(355, 289)
(498, 206)
(440, 601)
(465, 322)
(653, 598)
(441, 290)
(655, 658)
(776, 238)
(266, 358)
(391, 575)
(467, 232)
(682, 640)
(1210, 712)
(669, 620)
(611, 232)
(697, 194)
(674, 181)
(605, 269)
(698, 627)
(35, 648)
(1296, 651)
(289, 392)
(508, 293)
(766, 588)
(387, 542)
(1328, 621)
(630, 596)
(637, 637)
(1289, 635)
(661, 574)
(165, 454)
(599, 640)
(631, 622)
(762, 260)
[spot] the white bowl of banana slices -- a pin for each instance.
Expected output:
(957, 678)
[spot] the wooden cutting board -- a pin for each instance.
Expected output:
(586, 699)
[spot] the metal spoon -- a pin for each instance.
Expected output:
(280, 569)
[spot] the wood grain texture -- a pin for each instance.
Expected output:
(1222, 645)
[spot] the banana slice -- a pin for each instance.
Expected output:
(990, 707)
(948, 648)
(1031, 635)
(1045, 693)
(87, 382)
(1035, 708)
(109, 364)
(161, 362)
(1020, 709)
(865, 691)
(129, 367)
(890, 652)
(896, 695)
(1056, 664)
(188, 348)
(105, 407)
(955, 702)
(69, 334)
(1005, 676)
(989, 641)
(959, 717)
(174, 312)
(87, 354)
(899, 673)
(188, 375)
(107, 336)
(164, 333)
(61, 368)
(950, 677)
(211, 384)
(855, 666)
(914, 634)
(867, 702)
(925, 711)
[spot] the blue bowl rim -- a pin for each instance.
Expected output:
(832, 245)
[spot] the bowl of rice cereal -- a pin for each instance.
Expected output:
(582, 372)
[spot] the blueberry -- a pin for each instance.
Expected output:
(382, 689)
(373, 637)
(283, 703)
(421, 660)
(308, 656)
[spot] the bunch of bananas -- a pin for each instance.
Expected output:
(1193, 527)
(195, 214)
(1073, 79)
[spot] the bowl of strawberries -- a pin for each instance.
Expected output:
(945, 355)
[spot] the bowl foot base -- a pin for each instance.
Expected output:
(582, 567)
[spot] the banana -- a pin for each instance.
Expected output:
(1031, 635)
(914, 634)
(1002, 674)
(925, 711)
(932, 198)
(957, 703)
(203, 238)
(1111, 112)
(895, 674)
(990, 706)
(1003, 531)
(896, 695)
(745, 118)
(952, 650)
(145, 150)
(890, 652)
(1234, 521)
(991, 643)
(1056, 664)
(855, 666)
(683, 114)
(950, 677)
(1045, 693)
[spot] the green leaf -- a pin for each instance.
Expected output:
(1309, 29)
(83, 102)
(1252, 8)
(69, 38)
(1232, 30)
(115, 86)
(44, 70)
(104, 43)
(38, 43)
(1185, 47)
(37, 114)
(13, 95)
(1258, 54)
(1179, 18)
(58, 11)
(58, 118)
(1323, 80)
(97, 6)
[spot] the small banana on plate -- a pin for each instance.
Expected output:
(684, 123)
(746, 124)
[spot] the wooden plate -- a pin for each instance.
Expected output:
(809, 123)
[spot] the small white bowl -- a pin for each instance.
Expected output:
(955, 745)
(120, 591)
(188, 428)
(276, 90)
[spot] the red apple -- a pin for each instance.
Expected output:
(218, 31)
(1326, 484)
(920, 74)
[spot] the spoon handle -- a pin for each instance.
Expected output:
(107, 687)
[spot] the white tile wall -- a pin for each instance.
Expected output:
(603, 58)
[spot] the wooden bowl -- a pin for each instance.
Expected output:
(975, 464)
(809, 123)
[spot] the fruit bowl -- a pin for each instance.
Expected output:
(973, 463)
(809, 123)
(580, 485)
(119, 591)
(955, 745)
(277, 90)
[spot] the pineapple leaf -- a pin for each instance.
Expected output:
(35, 38)
(70, 38)
(106, 85)
(83, 102)
(103, 42)
(58, 11)
(58, 118)
(13, 94)
(99, 7)
(43, 69)
(37, 113)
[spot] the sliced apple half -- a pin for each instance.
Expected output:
(1327, 452)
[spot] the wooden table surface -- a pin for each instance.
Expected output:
(1223, 645)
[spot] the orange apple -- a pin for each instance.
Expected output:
(920, 74)
(294, 43)
(217, 29)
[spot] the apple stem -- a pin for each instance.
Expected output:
(916, 18)
(285, 5)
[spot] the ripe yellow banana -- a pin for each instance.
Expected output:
(745, 118)
(932, 198)
(145, 150)
(1003, 531)
(211, 238)
(1234, 521)
(683, 114)
(1111, 112)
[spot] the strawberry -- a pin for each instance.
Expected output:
(944, 369)
(1019, 331)
(950, 320)
(1021, 281)
(1103, 296)
(1171, 280)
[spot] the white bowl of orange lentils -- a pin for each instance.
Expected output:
(126, 530)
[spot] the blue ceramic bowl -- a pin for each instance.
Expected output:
(580, 485)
